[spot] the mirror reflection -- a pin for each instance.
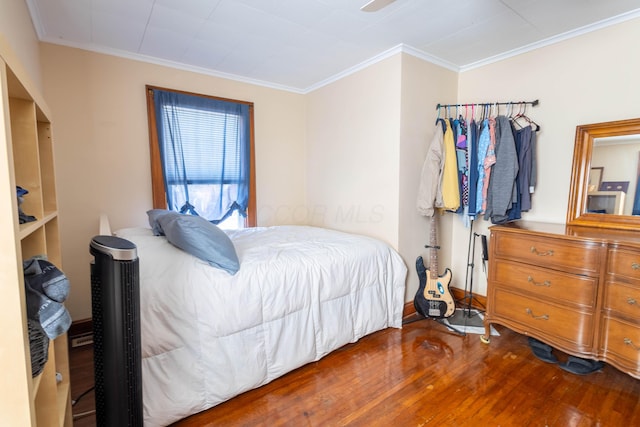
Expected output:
(604, 177)
(613, 177)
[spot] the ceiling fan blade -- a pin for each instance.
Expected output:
(375, 5)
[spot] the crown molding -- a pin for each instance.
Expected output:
(35, 19)
(171, 64)
(554, 39)
(351, 70)
(430, 58)
(401, 48)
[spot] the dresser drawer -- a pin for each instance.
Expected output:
(623, 299)
(622, 339)
(624, 262)
(571, 325)
(550, 252)
(545, 283)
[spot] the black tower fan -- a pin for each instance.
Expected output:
(115, 301)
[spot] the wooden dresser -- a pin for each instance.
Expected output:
(575, 288)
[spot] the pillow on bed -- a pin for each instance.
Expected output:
(200, 238)
(153, 215)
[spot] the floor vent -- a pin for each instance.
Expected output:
(81, 340)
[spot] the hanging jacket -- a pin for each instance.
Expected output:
(450, 183)
(525, 163)
(472, 143)
(460, 136)
(515, 211)
(484, 156)
(489, 161)
(502, 186)
(430, 189)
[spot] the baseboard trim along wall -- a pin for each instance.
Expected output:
(478, 302)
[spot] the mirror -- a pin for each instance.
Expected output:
(604, 188)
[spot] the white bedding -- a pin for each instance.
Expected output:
(301, 293)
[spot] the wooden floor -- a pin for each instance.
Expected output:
(420, 375)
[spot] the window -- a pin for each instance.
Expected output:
(202, 156)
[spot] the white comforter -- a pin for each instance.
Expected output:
(301, 293)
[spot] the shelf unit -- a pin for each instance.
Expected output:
(26, 160)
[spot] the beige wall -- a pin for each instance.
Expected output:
(18, 37)
(424, 85)
(587, 79)
(353, 134)
(368, 135)
(102, 154)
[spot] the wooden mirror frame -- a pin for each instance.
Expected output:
(585, 134)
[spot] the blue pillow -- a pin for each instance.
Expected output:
(200, 238)
(153, 215)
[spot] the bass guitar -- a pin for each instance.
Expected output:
(433, 298)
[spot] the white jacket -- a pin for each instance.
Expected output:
(430, 190)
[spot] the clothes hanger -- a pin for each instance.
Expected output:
(514, 117)
(510, 110)
(524, 116)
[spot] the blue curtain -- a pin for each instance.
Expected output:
(204, 149)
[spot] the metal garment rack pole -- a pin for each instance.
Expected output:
(488, 104)
(468, 282)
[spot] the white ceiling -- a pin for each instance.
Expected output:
(302, 44)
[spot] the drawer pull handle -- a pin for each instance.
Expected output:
(631, 301)
(628, 342)
(547, 253)
(534, 283)
(635, 266)
(543, 317)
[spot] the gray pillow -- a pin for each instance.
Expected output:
(153, 215)
(200, 238)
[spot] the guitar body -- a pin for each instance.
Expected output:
(433, 298)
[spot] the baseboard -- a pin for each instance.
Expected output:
(478, 302)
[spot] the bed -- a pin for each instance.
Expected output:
(300, 292)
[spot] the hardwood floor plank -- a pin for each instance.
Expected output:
(420, 375)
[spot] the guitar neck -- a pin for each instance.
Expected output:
(433, 243)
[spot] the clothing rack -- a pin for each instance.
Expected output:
(489, 104)
(486, 109)
(484, 106)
